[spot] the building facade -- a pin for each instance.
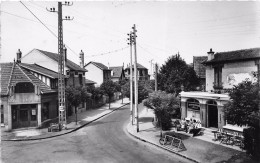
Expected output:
(97, 72)
(142, 72)
(223, 71)
(26, 101)
(117, 73)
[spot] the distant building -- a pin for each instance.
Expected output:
(142, 72)
(97, 72)
(89, 82)
(117, 73)
(200, 69)
(223, 70)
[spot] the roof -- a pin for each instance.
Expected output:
(238, 55)
(71, 65)
(198, 67)
(87, 81)
(40, 69)
(117, 71)
(99, 65)
(138, 66)
(12, 73)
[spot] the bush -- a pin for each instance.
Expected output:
(251, 142)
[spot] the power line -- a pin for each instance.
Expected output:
(110, 52)
(38, 19)
(46, 26)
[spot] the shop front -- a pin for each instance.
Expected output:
(204, 107)
(24, 115)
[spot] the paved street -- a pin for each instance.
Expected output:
(102, 141)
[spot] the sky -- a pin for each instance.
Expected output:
(99, 29)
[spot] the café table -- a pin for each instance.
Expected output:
(215, 134)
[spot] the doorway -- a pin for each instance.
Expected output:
(212, 114)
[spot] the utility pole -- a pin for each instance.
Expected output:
(136, 80)
(155, 77)
(151, 61)
(61, 64)
(131, 78)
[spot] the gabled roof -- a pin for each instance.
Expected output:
(138, 66)
(87, 81)
(117, 71)
(71, 65)
(39, 69)
(238, 55)
(99, 65)
(13, 73)
(199, 68)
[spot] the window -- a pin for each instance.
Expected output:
(54, 83)
(24, 87)
(218, 76)
(2, 113)
(80, 79)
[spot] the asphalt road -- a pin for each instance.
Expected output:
(102, 141)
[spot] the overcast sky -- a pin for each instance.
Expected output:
(164, 28)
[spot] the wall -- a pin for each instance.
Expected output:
(94, 73)
(230, 68)
(237, 68)
(41, 59)
(209, 78)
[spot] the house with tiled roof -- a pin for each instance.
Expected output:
(97, 72)
(223, 71)
(75, 75)
(142, 72)
(117, 73)
(26, 101)
(200, 68)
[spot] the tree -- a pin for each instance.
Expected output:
(174, 73)
(142, 91)
(164, 105)
(76, 96)
(243, 103)
(242, 109)
(109, 87)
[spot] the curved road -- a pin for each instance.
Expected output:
(102, 141)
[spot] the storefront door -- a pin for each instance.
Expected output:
(213, 116)
(24, 118)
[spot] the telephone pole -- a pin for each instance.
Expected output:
(155, 77)
(131, 77)
(61, 64)
(136, 80)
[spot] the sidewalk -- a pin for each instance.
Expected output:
(198, 149)
(85, 117)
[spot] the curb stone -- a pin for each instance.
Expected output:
(29, 139)
(191, 159)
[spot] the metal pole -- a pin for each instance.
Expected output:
(131, 81)
(61, 83)
(136, 82)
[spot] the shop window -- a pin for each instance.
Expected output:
(45, 111)
(2, 113)
(24, 87)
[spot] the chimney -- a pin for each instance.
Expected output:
(19, 56)
(210, 54)
(108, 65)
(65, 53)
(81, 59)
